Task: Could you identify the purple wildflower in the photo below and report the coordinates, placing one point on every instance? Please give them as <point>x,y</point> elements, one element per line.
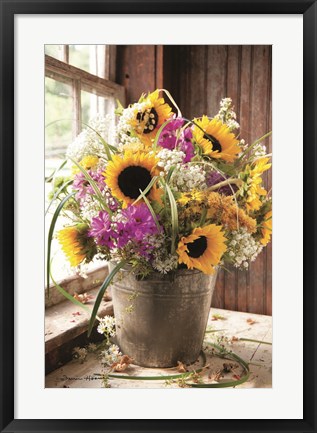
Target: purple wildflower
<point>186,144</point>
<point>84,188</point>
<point>168,138</point>
<point>139,222</point>
<point>101,229</point>
<point>214,177</point>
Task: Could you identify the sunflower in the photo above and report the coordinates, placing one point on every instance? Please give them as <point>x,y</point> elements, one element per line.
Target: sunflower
<point>74,242</point>
<point>266,229</point>
<point>129,173</point>
<point>215,139</point>
<point>202,249</point>
<point>151,116</point>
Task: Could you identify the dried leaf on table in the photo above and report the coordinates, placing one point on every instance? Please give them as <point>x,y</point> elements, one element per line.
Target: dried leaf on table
<point>123,363</point>
<point>236,376</point>
<point>251,321</point>
<point>181,367</point>
<point>233,339</point>
<point>216,376</point>
<point>82,297</point>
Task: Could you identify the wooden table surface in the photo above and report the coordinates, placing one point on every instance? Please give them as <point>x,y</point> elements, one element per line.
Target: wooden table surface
<point>232,329</point>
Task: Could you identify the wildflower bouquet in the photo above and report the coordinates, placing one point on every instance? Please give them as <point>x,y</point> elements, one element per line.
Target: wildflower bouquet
<point>160,192</point>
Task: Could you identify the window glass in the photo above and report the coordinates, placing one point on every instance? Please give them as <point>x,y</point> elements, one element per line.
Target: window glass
<point>54,51</point>
<point>80,56</point>
<point>58,121</point>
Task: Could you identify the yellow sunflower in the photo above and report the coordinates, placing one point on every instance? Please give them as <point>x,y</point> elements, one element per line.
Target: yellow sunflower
<point>73,241</point>
<point>215,139</point>
<point>203,248</point>
<point>129,173</point>
<point>266,228</point>
<point>153,114</point>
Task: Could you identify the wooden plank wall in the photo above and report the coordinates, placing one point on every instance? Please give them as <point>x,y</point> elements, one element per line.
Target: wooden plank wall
<point>198,77</point>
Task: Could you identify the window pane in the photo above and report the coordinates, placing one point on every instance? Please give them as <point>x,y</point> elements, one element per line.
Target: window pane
<point>54,51</point>
<point>92,105</point>
<point>90,58</point>
<point>79,56</point>
<point>58,121</point>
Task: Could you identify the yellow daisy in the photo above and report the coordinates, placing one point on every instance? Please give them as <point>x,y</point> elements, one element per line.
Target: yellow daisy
<point>129,173</point>
<point>88,162</point>
<point>266,229</point>
<point>203,248</point>
<point>148,120</point>
<point>73,241</point>
<point>253,183</point>
<point>215,139</point>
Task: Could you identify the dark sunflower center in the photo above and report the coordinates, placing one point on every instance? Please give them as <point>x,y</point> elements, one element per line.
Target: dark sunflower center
<point>215,143</point>
<point>150,117</point>
<point>132,179</point>
<point>198,247</point>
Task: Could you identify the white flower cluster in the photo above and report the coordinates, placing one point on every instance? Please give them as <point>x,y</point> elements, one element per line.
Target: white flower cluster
<point>80,353</point>
<point>107,326</point>
<point>170,158</point>
<point>110,355</point>
<point>165,264</point>
<point>243,248</point>
<point>227,115</point>
<point>259,150</point>
<point>124,132</point>
<point>187,177</point>
<point>90,208</point>
<point>88,142</point>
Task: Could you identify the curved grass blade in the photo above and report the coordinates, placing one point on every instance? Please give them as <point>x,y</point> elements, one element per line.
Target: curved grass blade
<point>101,292</point>
<point>254,144</point>
<point>179,114</point>
<point>93,185</point>
<point>68,296</point>
<point>151,210</point>
<point>50,236</point>
<point>174,216</point>
<point>255,341</point>
<point>57,193</point>
<point>48,179</point>
<point>146,190</point>
<point>107,146</point>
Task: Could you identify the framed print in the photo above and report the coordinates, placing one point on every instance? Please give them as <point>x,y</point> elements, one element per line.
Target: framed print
<point>164,113</point>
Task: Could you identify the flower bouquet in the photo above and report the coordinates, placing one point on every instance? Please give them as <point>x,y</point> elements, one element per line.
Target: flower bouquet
<point>161,196</point>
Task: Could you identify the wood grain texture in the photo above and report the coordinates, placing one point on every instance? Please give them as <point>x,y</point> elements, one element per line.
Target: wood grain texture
<point>198,77</point>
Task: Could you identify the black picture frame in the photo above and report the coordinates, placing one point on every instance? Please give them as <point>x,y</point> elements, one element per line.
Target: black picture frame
<point>9,8</point>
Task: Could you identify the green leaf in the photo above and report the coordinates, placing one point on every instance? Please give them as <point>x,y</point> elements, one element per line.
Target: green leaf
<point>101,292</point>
<point>150,209</point>
<point>68,296</point>
<point>146,190</point>
<point>94,186</point>
<point>57,193</point>
<point>50,235</point>
<point>174,216</point>
<point>50,178</point>
<point>107,146</point>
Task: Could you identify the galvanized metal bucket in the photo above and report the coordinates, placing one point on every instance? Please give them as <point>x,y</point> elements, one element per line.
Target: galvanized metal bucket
<point>162,320</point>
